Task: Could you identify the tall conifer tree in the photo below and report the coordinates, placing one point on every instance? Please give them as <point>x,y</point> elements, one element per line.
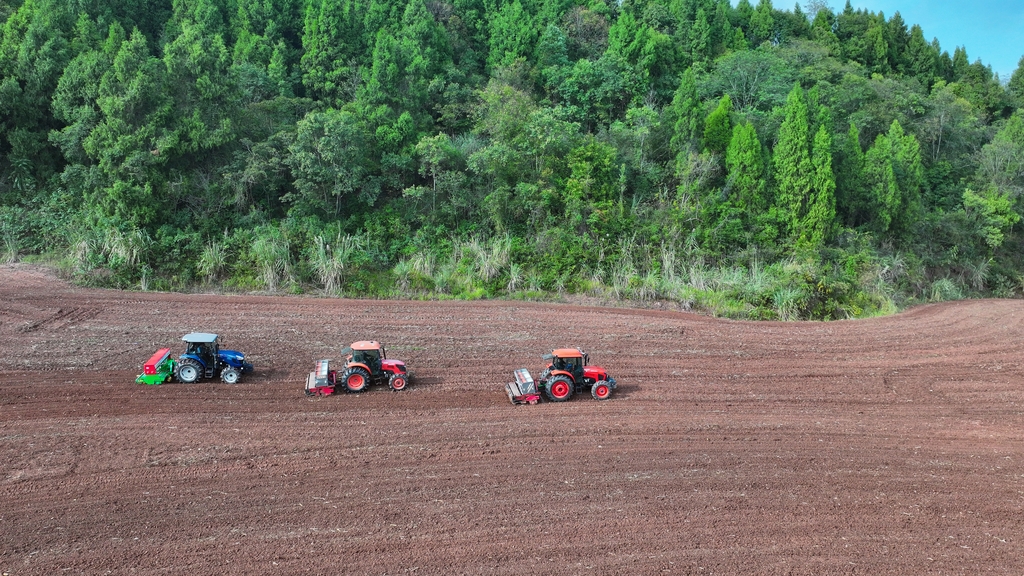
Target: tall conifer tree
<point>746,174</point>
<point>816,226</point>
<point>792,161</point>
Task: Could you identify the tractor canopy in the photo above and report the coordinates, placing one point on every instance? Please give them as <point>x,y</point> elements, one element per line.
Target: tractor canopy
<point>569,354</point>
<point>366,345</point>
<point>199,338</point>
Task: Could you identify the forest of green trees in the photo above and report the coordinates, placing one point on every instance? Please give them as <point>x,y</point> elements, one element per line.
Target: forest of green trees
<point>746,161</point>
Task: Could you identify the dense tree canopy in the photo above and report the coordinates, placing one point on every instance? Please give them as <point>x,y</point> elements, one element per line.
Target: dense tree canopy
<point>765,163</point>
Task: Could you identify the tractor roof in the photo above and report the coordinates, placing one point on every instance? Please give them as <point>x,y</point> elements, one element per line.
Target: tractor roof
<point>366,345</point>
<point>199,337</point>
<point>567,353</point>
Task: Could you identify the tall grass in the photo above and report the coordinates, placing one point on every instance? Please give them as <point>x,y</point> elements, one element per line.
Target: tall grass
<point>330,262</point>
<point>272,256</point>
<point>213,260</point>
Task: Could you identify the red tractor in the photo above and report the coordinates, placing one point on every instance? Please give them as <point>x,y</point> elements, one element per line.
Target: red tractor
<point>366,363</point>
<point>567,372</point>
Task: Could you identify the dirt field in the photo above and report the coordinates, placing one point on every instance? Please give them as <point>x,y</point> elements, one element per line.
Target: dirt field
<point>884,446</point>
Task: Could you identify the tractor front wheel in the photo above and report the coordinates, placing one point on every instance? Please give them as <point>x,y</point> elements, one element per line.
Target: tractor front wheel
<point>398,382</point>
<point>601,391</point>
<point>560,389</point>
<point>229,375</point>
<point>188,371</point>
<point>355,379</point>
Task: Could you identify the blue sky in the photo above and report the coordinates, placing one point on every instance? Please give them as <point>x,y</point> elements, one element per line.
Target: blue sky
<point>992,30</point>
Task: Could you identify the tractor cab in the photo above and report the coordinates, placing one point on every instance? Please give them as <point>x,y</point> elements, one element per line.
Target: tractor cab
<point>203,347</point>
<point>368,353</point>
<point>569,361</point>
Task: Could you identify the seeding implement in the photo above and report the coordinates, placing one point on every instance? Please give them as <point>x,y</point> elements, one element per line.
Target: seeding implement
<point>203,358</point>
<point>158,369</point>
<point>568,372</point>
<point>366,363</point>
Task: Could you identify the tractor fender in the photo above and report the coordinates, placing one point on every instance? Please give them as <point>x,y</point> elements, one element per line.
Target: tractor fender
<point>554,373</point>
<point>360,365</point>
<point>193,357</point>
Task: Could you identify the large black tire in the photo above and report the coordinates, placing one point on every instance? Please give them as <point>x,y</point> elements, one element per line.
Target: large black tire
<point>398,382</point>
<point>355,379</point>
<point>601,390</point>
<point>188,371</point>
<point>559,389</point>
<point>229,375</point>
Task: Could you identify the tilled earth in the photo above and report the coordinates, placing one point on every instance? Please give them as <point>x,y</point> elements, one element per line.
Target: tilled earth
<point>882,446</point>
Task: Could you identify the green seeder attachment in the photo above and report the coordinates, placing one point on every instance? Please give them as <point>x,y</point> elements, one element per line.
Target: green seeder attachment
<point>158,368</point>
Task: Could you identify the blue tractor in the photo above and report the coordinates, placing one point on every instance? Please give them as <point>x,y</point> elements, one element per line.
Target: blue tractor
<point>203,358</point>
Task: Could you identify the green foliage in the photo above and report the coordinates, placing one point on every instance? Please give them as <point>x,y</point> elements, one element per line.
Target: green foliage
<point>894,175</point>
<point>993,213</point>
<point>792,164</point>
<point>1016,83</point>
<point>747,176</point>
<point>692,151</point>
<point>817,224</point>
<point>328,161</point>
<point>718,126</point>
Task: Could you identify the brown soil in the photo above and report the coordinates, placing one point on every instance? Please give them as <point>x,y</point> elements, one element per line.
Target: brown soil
<point>884,446</point>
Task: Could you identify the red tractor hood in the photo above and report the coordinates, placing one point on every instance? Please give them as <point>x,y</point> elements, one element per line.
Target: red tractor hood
<point>393,366</point>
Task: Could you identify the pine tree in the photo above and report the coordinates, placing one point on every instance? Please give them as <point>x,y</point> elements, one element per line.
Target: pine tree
<point>960,63</point>
<point>762,23</point>
<point>34,50</point>
<point>792,162</point>
<point>512,35</point>
<point>718,127</point>
<point>685,114</point>
<point>851,203</point>
<point>700,39</point>
<point>897,38</point>
<point>746,171</point>
<point>817,225</point>
<point>921,58</point>
<point>1016,84</point>
<point>895,177</point>
<point>877,49</point>
<point>332,42</point>
<point>552,57</point>
<point>744,14</point>
<point>721,30</point>
<point>125,144</point>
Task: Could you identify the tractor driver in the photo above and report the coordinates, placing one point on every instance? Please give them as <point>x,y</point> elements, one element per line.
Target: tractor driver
<point>203,351</point>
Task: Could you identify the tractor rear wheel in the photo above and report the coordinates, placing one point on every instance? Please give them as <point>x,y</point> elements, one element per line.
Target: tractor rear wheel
<point>601,391</point>
<point>398,382</point>
<point>355,379</point>
<point>560,389</point>
<point>229,375</point>
<point>188,371</point>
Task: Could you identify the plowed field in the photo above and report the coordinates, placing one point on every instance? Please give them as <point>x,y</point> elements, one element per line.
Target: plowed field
<point>884,446</point>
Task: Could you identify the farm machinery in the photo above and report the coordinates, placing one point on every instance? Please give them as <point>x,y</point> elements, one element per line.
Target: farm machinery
<point>203,358</point>
<point>568,372</point>
<point>365,363</point>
